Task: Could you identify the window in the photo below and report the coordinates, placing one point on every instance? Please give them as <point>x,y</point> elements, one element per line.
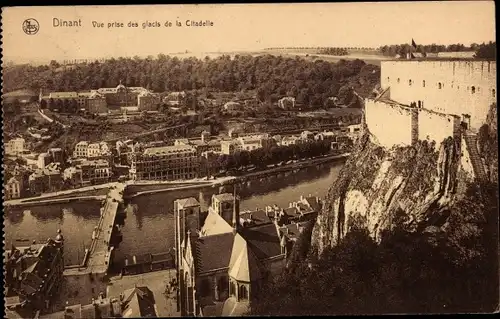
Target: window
<point>473,89</point>
<point>440,86</point>
<point>232,289</point>
<point>423,83</point>
<point>243,292</point>
<point>493,92</point>
<point>205,287</point>
<point>388,79</point>
<point>398,80</point>
<point>409,82</point>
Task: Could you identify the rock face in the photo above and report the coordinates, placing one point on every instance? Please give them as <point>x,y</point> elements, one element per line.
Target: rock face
<point>412,187</point>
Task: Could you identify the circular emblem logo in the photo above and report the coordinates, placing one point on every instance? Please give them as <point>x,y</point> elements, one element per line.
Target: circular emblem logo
<point>30,26</point>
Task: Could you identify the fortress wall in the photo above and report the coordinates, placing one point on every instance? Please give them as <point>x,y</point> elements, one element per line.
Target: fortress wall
<point>389,124</point>
<point>436,126</point>
<point>447,88</point>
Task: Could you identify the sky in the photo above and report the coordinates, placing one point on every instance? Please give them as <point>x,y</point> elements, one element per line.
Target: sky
<point>241,27</point>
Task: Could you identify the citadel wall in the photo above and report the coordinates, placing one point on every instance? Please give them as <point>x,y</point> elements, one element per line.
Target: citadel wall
<point>389,124</point>
<point>393,124</point>
<point>437,126</point>
<point>452,87</point>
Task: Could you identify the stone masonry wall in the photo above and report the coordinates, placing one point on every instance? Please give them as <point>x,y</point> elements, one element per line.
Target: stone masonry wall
<point>452,87</point>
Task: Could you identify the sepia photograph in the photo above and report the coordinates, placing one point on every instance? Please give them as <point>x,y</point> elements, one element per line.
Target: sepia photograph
<point>279,159</point>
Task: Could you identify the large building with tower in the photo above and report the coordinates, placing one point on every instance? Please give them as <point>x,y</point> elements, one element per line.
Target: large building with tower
<point>222,264</point>
<point>99,100</point>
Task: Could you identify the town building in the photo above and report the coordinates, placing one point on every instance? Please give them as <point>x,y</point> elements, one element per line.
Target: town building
<point>307,135</point>
<point>90,172</point>
<point>44,159</point>
<point>290,140</point>
<point>286,103</point>
<point>205,144</point>
<point>223,265</point>
<point>34,273</point>
<point>232,107</point>
<point>14,147</point>
<point>165,163</point>
<point>136,302</point>
<point>325,136</point>
<point>48,179</point>
<point>81,149</point>
<point>57,154</point>
<point>147,101</point>
<point>13,188</point>
<point>84,149</point>
<point>354,131</point>
<point>98,101</point>
<point>175,98</point>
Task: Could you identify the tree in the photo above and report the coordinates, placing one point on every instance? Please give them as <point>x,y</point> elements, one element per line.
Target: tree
<point>487,51</point>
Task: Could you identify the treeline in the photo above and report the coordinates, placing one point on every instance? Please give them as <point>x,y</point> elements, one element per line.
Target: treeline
<point>262,157</point>
<point>319,48</point>
<point>333,51</point>
<point>272,76</point>
<point>403,49</point>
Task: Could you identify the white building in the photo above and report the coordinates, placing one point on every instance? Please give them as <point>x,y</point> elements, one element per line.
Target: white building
<point>81,149</point>
<point>286,103</point>
<point>13,188</point>
<point>232,106</point>
<point>14,146</point>
<point>289,140</point>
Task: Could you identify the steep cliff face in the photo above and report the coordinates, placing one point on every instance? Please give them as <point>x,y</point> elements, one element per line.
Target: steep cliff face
<point>411,187</point>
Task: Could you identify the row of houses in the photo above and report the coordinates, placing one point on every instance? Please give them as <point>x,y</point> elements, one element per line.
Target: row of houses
<point>188,159</point>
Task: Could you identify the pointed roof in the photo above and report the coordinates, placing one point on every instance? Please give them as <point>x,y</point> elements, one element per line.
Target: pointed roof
<point>139,302</point>
<point>188,202</point>
<point>243,265</point>
<point>215,224</point>
<point>212,252</point>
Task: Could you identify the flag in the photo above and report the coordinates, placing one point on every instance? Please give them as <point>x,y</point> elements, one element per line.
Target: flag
<point>413,43</point>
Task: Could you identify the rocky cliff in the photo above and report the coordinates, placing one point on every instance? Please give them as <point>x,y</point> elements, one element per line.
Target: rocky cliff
<point>409,187</point>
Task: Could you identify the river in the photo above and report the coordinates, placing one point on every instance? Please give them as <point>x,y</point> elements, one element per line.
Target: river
<point>149,222</point>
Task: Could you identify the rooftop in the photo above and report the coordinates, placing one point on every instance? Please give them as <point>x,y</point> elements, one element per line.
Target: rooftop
<point>224,197</point>
<point>139,302</point>
<point>212,252</point>
<point>188,202</point>
<point>263,240</point>
<point>168,150</point>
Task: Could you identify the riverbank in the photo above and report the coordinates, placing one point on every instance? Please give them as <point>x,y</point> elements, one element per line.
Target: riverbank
<point>222,181</point>
<point>139,188</point>
<point>71,194</point>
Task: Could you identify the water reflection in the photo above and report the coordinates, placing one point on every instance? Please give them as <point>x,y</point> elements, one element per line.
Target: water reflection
<point>149,227</point>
